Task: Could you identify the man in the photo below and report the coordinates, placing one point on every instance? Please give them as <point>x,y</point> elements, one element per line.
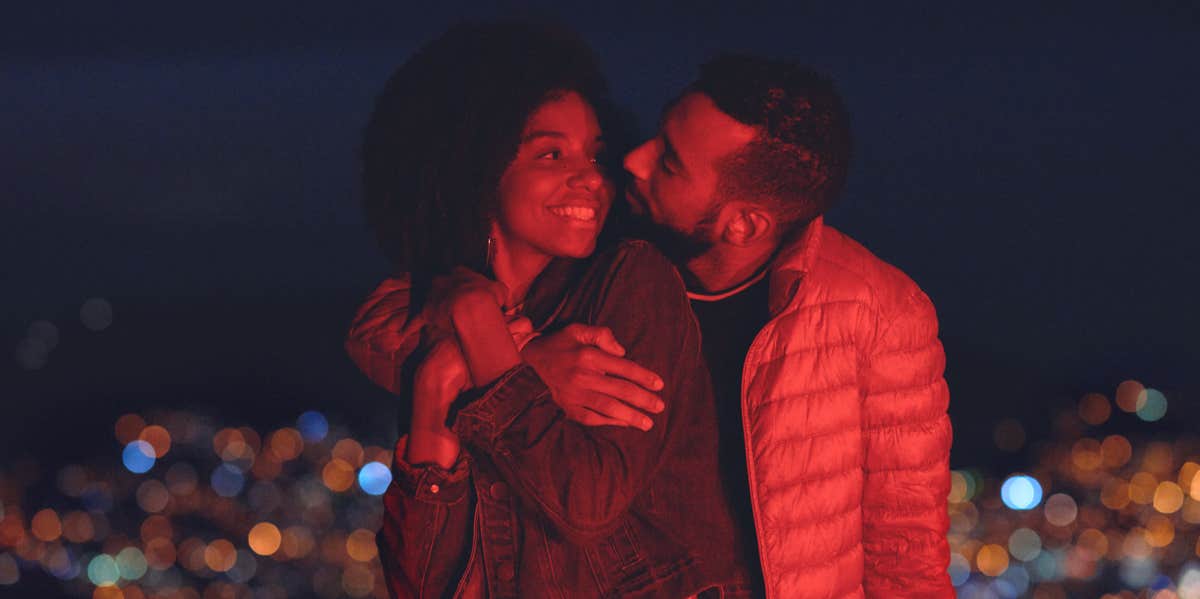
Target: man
<point>825,360</point>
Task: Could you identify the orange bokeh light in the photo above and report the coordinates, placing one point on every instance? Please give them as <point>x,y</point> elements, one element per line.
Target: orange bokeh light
<point>158,438</point>
<point>220,555</point>
<point>992,560</point>
<point>360,545</point>
<point>265,538</point>
<point>128,427</point>
<point>1128,395</point>
<point>350,451</point>
<point>286,443</point>
<point>46,526</point>
<point>1094,409</point>
<point>338,475</point>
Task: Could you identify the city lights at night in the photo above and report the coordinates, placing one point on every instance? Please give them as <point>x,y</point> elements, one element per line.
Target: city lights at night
<point>284,513</point>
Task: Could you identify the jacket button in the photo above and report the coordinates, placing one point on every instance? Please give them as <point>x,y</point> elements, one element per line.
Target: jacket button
<point>434,489</point>
<point>505,572</point>
<point>499,490</point>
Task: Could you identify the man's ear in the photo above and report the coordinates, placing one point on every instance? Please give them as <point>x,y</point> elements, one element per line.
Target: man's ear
<point>745,223</point>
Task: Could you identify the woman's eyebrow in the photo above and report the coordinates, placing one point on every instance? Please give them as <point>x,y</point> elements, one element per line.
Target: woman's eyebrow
<point>532,135</point>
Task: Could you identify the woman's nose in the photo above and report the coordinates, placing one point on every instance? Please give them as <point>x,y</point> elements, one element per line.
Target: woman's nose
<point>588,176</point>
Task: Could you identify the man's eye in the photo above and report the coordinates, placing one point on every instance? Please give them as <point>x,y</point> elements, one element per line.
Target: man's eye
<point>665,164</point>
<point>550,154</point>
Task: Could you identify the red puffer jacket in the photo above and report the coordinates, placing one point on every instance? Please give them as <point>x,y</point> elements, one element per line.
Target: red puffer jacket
<point>848,441</point>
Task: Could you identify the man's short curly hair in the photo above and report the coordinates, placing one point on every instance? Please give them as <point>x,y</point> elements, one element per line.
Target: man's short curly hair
<point>447,125</point>
<point>797,165</point>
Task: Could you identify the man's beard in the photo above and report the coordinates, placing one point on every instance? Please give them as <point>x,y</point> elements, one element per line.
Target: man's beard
<point>676,244</point>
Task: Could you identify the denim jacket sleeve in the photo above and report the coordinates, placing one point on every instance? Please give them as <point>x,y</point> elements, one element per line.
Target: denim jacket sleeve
<point>427,526</point>
<point>584,479</point>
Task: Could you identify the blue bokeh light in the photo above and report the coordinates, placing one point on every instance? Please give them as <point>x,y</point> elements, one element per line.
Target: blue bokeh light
<point>1021,492</point>
<point>374,478</point>
<point>103,571</point>
<point>313,426</point>
<point>227,480</point>
<point>138,456</point>
<point>1154,407</point>
<point>959,570</point>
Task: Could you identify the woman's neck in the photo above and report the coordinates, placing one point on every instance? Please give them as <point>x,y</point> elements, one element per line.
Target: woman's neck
<point>516,264</point>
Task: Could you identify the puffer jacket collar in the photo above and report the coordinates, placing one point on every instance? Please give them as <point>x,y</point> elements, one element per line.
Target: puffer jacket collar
<point>793,262</point>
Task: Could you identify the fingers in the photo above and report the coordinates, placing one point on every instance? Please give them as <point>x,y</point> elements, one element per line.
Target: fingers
<point>625,369</point>
<point>520,326</point>
<point>601,337</point>
<point>630,396</point>
<point>588,417</point>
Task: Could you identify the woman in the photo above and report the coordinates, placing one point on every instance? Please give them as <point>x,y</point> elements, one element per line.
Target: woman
<point>484,183</point>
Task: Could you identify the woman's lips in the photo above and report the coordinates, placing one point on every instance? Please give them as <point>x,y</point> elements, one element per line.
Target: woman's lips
<point>583,214</point>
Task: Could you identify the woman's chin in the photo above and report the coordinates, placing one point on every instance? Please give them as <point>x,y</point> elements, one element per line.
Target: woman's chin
<point>577,250</point>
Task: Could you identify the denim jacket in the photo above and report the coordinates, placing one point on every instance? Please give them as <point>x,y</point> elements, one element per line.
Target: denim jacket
<point>551,508</point>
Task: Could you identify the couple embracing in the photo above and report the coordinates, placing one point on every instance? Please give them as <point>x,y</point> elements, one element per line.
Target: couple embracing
<point>722,397</point>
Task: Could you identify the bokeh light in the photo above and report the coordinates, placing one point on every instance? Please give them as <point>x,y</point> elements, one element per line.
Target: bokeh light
<point>360,545</point>
<point>1129,396</point>
<point>131,563</point>
<point>220,555</point>
<point>313,426</point>
<point>138,457</point>
<point>338,475</point>
<point>264,538</point>
<point>1168,497</point>
<point>96,314</point>
<point>374,478</point>
<point>1152,405</point>
<point>158,438</point>
<point>46,526</point>
<point>10,573</point>
<point>103,570</point>
<point>227,480</point>
<point>272,513</point>
<point>1024,544</point>
<point>1061,509</point>
<point>1021,492</point>
<point>128,427</point>
<point>1094,409</point>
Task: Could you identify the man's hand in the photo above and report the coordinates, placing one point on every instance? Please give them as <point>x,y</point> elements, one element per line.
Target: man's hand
<point>591,381</point>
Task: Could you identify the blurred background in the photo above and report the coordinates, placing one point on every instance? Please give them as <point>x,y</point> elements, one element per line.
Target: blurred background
<point>183,251</point>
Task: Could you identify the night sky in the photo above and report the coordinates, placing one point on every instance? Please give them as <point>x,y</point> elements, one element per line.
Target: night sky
<point>1032,168</point>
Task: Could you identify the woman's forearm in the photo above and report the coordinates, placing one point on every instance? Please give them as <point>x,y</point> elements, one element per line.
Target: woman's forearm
<point>429,441</point>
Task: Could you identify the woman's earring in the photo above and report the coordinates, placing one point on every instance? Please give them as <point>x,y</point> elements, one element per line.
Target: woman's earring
<point>491,250</point>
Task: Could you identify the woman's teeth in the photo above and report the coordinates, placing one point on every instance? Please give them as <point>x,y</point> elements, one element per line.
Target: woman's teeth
<point>576,212</point>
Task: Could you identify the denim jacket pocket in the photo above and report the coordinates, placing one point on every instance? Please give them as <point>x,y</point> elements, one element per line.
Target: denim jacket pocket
<point>617,558</point>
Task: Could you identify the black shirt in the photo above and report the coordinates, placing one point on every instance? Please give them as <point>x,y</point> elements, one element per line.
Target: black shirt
<point>728,325</point>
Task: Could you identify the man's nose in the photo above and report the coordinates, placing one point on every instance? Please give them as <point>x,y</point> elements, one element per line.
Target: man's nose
<point>639,160</point>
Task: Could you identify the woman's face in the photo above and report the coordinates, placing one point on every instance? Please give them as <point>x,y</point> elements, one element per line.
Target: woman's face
<point>553,197</point>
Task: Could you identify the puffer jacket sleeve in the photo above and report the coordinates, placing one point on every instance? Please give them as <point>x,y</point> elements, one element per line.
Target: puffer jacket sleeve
<point>381,337</point>
<point>908,437</point>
